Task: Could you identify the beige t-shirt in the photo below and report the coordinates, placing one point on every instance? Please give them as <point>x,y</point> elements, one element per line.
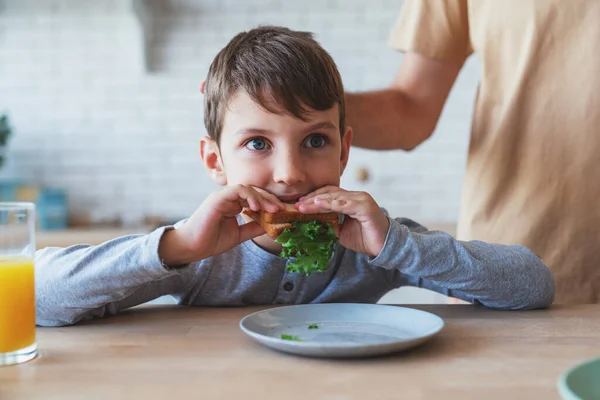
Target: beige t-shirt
<point>533,171</point>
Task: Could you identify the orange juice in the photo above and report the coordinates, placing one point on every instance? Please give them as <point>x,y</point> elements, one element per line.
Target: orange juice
<point>17,303</point>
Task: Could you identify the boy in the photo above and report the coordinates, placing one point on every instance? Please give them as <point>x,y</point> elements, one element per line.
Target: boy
<point>274,111</point>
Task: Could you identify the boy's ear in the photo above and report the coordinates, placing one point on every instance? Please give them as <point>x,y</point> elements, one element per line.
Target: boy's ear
<point>346,143</point>
<point>211,157</point>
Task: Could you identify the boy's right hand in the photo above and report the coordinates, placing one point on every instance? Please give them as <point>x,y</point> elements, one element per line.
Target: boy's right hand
<point>213,228</point>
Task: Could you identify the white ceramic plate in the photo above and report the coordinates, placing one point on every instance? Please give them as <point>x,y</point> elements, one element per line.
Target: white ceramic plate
<point>342,330</point>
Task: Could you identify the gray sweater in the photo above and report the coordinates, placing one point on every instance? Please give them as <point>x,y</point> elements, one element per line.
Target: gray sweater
<point>83,282</point>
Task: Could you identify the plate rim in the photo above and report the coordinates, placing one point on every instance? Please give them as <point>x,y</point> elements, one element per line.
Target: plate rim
<point>337,346</point>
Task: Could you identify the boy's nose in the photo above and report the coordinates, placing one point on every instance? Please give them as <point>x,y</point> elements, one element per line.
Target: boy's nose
<point>288,170</point>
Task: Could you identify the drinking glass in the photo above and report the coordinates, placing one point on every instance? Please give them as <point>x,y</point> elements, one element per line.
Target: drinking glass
<point>17,290</point>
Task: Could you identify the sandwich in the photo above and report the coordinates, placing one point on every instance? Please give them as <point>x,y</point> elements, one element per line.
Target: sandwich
<point>307,239</point>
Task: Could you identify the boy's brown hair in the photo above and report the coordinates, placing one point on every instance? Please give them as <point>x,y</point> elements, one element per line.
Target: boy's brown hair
<point>273,65</point>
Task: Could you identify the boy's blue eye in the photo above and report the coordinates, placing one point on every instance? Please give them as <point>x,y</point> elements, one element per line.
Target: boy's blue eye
<point>316,141</point>
<point>257,144</point>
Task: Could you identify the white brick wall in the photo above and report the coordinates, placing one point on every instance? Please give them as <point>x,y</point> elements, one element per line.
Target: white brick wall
<point>124,141</point>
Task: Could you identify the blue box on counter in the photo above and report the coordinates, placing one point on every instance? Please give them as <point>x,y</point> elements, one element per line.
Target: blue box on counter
<point>50,203</point>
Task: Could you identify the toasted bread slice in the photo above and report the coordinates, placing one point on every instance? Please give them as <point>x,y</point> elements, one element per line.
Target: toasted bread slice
<point>275,223</point>
<point>274,230</point>
<point>291,214</point>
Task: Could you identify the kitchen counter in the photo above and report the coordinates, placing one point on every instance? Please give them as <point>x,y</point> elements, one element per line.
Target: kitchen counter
<point>170,352</point>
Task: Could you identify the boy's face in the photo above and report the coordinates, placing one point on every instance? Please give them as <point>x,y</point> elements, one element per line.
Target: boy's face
<point>277,152</point>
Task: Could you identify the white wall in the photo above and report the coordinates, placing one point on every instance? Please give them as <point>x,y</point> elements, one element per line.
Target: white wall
<point>123,141</point>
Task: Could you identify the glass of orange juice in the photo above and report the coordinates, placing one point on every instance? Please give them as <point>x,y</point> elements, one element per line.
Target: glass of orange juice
<point>17,290</point>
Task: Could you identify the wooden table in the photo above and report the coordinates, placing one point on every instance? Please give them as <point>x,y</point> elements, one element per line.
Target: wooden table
<point>171,352</point>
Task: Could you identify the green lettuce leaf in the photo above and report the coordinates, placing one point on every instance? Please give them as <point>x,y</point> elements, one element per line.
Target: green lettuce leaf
<point>290,337</point>
<point>309,244</point>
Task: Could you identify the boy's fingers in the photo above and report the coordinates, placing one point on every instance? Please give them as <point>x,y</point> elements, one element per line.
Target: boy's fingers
<point>311,200</point>
<point>246,197</point>
<point>323,190</point>
<point>268,206</point>
<point>306,203</point>
<point>312,208</point>
<point>335,205</point>
<point>250,230</point>
<point>271,198</point>
<point>324,204</point>
<point>323,196</point>
<point>318,205</point>
<point>259,199</point>
<point>233,200</point>
<point>254,203</point>
<point>227,202</point>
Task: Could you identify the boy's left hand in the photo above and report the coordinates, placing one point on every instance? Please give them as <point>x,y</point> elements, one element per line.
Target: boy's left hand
<point>365,226</point>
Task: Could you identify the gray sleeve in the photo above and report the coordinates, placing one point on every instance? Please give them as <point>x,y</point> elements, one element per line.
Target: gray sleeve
<point>84,281</point>
<point>494,275</point>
